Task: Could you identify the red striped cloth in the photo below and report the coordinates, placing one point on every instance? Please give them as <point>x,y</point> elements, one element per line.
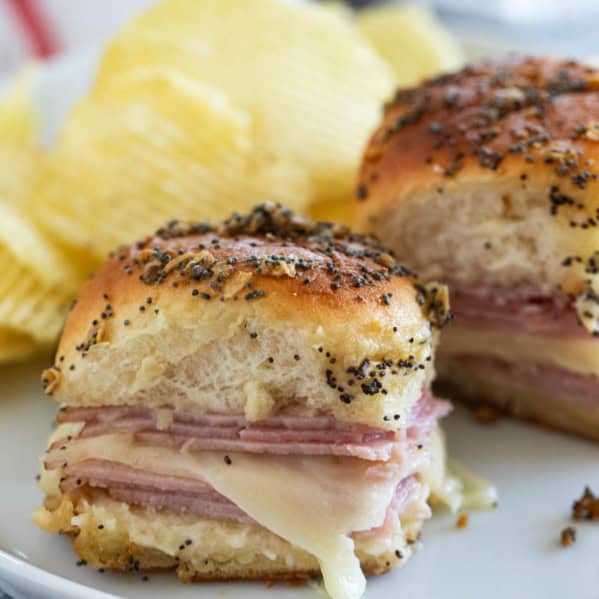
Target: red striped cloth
<point>35,27</point>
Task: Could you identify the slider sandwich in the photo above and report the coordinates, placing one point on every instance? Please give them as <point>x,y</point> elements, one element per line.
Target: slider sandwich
<point>486,179</point>
<point>247,401</point>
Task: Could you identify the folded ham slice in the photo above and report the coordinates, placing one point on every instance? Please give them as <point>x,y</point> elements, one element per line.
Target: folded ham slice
<point>284,435</point>
<point>140,487</point>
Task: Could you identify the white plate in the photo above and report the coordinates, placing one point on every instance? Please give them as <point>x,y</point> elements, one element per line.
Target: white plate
<point>511,552</point>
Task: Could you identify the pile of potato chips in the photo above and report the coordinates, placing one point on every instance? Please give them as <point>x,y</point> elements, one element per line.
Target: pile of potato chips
<point>36,283</point>
<point>198,109</point>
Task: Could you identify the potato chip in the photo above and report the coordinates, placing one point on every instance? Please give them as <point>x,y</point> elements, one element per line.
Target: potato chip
<point>17,114</point>
<point>22,158</point>
<point>338,7</point>
<point>333,210</point>
<point>149,147</point>
<point>37,281</point>
<point>411,40</point>
<point>16,346</point>
<point>28,247</point>
<point>310,82</point>
<point>27,306</point>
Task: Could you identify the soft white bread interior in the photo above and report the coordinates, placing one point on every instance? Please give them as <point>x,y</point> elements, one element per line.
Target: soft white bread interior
<point>264,313</point>
<point>481,234</point>
<point>488,176</point>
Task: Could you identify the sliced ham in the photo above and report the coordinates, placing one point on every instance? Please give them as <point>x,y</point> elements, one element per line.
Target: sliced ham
<point>408,497</point>
<point>104,414</point>
<point>377,450</point>
<point>544,378</point>
<point>515,309</point>
<point>104,473</point>
<point>198,506</point>
<point>425,414</point>
<point>283,435</point>
<point>145,423</point>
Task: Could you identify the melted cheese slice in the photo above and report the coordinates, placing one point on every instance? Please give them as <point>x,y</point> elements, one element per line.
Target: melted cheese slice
<point>312,502</point>
<point>574,354</point>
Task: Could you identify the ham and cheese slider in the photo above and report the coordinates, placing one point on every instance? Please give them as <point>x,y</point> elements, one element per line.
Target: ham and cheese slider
<point>487,180</point>
<point>249,400</point>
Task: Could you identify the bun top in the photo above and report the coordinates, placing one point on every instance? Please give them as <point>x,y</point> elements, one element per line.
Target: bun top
<point>531,120</point>
<point>270,271</point>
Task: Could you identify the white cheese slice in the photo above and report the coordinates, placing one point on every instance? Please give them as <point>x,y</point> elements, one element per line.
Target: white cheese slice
<point>575,354</point>
<point>313,502</point>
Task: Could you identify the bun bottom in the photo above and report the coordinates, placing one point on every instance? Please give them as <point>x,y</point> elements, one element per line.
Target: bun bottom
<point>484,386</point>
<point>111,535</point>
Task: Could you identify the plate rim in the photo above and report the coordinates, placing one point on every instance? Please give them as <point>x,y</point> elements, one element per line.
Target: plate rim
<point>14,569</point>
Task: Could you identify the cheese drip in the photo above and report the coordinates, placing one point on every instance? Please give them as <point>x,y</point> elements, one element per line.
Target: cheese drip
<point>452,485</point>
<point>478,492</point>
<point>312,502</point>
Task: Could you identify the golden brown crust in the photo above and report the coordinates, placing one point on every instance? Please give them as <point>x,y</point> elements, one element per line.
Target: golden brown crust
<point>134,558</point>
<point>531,120</point>
<point>334,275</point>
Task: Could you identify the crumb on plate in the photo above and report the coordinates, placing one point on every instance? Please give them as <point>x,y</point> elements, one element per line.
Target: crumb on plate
<point>568,536</point>
<point>462,521</point>
<point>587,507</point>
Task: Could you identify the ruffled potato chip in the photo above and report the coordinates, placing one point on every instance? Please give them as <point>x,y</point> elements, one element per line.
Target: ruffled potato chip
<point>27,306</point>
<point>311,84</point>
<point>150,147</point>
<point>335,210</point>
<point>411,40</point>
<point>15,346</point>
<point>17,114</point>
<point>37,281</point>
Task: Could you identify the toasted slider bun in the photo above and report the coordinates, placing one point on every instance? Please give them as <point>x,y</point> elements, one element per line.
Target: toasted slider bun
<point>245,325</point>
<point>488,175</point>
<point>265,320</point>
<point>486,179</point>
